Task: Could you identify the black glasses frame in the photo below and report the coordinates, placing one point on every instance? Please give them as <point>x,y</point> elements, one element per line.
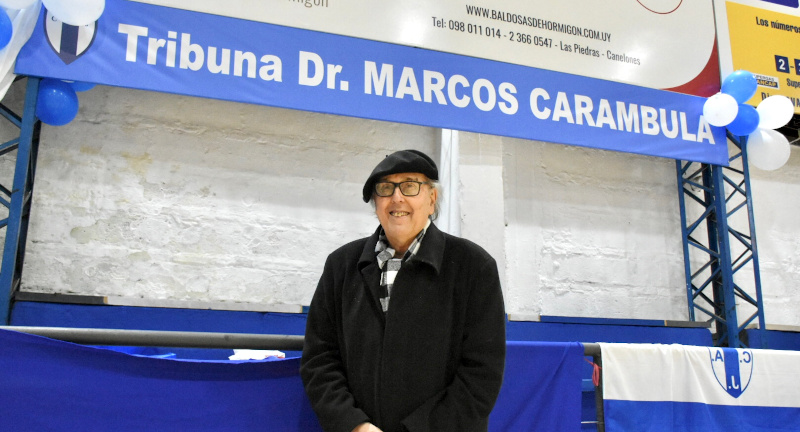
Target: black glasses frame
<point>399,185</point>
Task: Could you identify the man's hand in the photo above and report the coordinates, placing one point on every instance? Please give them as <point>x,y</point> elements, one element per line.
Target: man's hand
<point>366,427</point>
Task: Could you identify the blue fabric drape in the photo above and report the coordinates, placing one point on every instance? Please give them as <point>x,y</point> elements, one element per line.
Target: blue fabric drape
<point>541,388</point>
<point>49,385</point>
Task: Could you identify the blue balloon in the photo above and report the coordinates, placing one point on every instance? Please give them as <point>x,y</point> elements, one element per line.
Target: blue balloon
<point>741,85</point>
<point>746,121</point>
<point>6,29</point>
<point>56,103</point>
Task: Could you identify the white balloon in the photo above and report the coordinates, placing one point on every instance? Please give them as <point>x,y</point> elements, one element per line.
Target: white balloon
<point>775,111</point>
<point>76,12</point>
<point>16,4</point>
<point>720,109</point>
<point>767,149</point>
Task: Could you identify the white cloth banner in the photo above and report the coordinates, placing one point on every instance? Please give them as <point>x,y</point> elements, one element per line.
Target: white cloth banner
<point>688,388</point>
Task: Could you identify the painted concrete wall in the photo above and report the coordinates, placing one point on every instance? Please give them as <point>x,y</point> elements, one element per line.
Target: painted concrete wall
<point>162,199</point>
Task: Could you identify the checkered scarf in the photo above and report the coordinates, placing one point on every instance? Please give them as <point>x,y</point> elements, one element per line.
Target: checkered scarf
<point>391,265</point>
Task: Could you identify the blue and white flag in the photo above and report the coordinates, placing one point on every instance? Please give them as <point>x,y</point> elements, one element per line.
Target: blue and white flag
<point>689,388</point>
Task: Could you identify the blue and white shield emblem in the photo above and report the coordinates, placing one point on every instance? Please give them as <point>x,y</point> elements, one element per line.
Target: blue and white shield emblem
<point>68,41</point>
<point>733,369</point>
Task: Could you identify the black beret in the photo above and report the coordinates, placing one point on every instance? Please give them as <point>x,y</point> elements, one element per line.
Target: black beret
<point>410,161</point>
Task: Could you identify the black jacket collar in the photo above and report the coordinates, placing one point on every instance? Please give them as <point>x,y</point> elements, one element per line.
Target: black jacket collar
<point>431,252</point>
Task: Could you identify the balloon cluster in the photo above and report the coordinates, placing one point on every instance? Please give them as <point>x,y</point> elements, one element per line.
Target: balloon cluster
<point>767,148</point>
<point>57,100</point>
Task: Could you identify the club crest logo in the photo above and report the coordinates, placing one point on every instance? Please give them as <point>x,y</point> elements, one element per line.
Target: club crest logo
<point>732,368</point>
<point>68,41</point>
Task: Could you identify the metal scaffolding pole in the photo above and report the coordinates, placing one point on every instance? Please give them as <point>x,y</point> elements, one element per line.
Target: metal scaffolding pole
<point>158,338</point>
<point>719,246</point>
<point>187,339</point>
<point>17,199</point>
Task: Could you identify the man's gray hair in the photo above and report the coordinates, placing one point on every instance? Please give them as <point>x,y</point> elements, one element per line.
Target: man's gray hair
<point>436,207</point>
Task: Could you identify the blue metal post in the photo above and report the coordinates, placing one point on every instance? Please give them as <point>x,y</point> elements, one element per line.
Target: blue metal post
<point>16,230</point>
<point>725,284</point>
<point>711,273</point>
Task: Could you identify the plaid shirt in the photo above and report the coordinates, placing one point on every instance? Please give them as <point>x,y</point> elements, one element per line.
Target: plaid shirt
<point>391,265</point>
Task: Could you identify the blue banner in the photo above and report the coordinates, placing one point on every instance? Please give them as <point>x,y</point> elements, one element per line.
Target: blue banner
<point>157,48</point>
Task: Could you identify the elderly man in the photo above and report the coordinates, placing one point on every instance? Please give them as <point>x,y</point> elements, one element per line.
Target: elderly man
<point>406,329</point>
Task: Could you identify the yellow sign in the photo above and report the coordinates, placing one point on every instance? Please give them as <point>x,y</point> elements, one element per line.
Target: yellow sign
<point>767,44</point>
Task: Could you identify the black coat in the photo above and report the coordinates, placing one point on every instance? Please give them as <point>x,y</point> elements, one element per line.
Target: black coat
<point>434,362</point>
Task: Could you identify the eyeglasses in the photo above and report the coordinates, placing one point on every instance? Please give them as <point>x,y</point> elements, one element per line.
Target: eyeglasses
<point>407,188</point>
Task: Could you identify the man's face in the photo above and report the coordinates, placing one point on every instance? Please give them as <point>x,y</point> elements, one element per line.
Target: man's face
<point>403,217</point>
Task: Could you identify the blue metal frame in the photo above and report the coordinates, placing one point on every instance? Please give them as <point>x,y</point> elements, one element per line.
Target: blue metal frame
<point>709,241</point>
<point>18,198</point>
